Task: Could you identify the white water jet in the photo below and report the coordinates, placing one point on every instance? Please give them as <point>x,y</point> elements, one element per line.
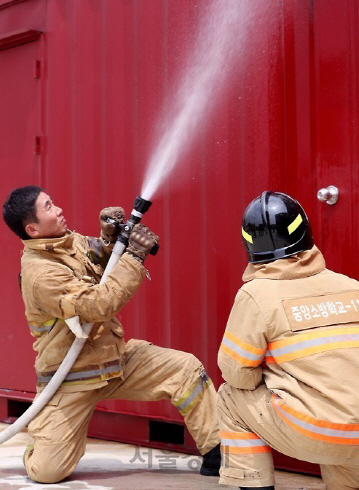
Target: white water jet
<point>218,41</point>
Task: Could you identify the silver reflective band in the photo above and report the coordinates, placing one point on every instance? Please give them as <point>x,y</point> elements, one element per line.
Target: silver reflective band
<point>325,431</point>
<point>243,442</point>
<point>307,344</point>
<point>136,213</point>
<point>40,329</point>
<point>243,353</point>
<point>84,374</point>
<point>201,383</point>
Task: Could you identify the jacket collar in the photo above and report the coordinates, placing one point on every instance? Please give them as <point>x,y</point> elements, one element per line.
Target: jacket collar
<point>304,264</point>
<point>65,243</point>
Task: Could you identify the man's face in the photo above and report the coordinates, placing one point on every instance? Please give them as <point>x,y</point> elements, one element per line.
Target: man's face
<point>51,223</point>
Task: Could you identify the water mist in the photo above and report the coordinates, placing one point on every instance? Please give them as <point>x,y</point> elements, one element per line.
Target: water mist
<point>211,62</point>
<point>219,35</point>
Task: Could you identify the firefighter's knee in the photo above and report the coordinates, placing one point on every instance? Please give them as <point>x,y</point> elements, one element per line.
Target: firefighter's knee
<point>43,466</point>
<point>45,473</point>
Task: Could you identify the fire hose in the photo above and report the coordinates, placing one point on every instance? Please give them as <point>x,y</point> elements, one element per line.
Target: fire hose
<point>81,331</point>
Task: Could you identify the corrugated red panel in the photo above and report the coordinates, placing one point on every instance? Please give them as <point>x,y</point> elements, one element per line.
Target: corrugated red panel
<point>86,128</point>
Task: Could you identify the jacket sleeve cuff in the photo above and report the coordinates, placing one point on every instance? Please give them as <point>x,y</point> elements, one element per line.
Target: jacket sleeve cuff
<point>133,262</point>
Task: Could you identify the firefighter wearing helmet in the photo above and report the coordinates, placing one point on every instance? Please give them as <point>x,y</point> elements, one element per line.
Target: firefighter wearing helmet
<point>289,354</point>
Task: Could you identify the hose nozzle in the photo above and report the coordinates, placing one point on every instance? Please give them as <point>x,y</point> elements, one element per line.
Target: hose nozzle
<point>140,207</point>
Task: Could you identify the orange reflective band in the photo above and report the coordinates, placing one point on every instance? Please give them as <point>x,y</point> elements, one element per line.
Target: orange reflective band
<point>269,359</point>
<point>327,332</point>
<point>238,435</point>
<point>242,443</point>
<point>246,450</point>
<point>317,429</point>
<point>244,353</point>
<point>304,345</point>
<point>248,347</point>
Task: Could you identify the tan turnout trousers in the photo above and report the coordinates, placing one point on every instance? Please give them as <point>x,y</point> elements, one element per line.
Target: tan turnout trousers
<point>248,421</point>
<point>290,357</point>
<point>151,373</point>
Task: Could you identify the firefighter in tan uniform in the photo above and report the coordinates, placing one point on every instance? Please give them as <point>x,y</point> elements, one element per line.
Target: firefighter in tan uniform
<point>289,356</point>
<point>60,274</point>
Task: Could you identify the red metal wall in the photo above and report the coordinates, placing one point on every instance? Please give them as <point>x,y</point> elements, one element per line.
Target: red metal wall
<point>81,125</point>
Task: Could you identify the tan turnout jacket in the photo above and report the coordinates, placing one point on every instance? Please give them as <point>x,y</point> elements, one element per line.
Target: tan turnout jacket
<point>295,326</point>
<point>59,278</point>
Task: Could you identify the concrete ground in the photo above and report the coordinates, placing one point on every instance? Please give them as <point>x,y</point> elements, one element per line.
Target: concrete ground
<point>112,466</point>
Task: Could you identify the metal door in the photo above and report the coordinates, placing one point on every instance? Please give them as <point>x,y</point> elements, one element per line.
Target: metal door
<point>19,156</point>
<point>336,58</point>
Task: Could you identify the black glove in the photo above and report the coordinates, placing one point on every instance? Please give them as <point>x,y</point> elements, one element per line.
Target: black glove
<point>109,231</point>
<point>141,241</point>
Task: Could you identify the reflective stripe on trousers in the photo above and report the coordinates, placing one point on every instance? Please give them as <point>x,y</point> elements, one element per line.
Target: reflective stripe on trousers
<point>194,394</point>
<point>242,443</point>
<point>316,429</point>
<point>106,372</point>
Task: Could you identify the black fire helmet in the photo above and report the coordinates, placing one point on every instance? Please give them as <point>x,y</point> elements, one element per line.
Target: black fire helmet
<point>275,226</point>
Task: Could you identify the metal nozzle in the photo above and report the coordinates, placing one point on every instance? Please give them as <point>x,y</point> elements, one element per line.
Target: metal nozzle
<point>141,205</point>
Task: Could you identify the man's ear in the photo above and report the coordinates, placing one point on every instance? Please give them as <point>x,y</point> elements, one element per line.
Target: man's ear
<point>31,230</point>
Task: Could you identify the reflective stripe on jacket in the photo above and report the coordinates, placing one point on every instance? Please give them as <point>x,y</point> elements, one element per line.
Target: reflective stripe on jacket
<point>295,326</point>
<point>59,280</point>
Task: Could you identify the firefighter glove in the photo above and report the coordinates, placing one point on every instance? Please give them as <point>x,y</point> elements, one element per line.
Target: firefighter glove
<point>141,242</point>
<point>110,218</point>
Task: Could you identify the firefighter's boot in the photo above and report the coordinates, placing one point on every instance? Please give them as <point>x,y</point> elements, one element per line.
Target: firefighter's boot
<point>211,462</point>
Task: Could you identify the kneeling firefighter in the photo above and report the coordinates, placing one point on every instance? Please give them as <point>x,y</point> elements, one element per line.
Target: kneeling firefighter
<point>289,354</point>
<point>61,272</point>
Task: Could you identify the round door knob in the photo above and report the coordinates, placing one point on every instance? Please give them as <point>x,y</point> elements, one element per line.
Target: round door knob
<point>328,194</point>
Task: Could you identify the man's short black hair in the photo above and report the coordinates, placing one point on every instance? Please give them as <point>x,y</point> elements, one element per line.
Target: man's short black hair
<point>19,209</point>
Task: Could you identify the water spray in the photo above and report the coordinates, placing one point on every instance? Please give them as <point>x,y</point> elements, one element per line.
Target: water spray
<point>215,49</point>
<point>141,206</point>
<point>198,89</point>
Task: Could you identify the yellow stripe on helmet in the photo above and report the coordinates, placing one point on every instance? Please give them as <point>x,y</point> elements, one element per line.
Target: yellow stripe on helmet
<point>247,236</point>
<point>293,226</point>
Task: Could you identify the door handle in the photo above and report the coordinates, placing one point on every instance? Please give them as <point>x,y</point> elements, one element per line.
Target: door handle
<point>328,194</point>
